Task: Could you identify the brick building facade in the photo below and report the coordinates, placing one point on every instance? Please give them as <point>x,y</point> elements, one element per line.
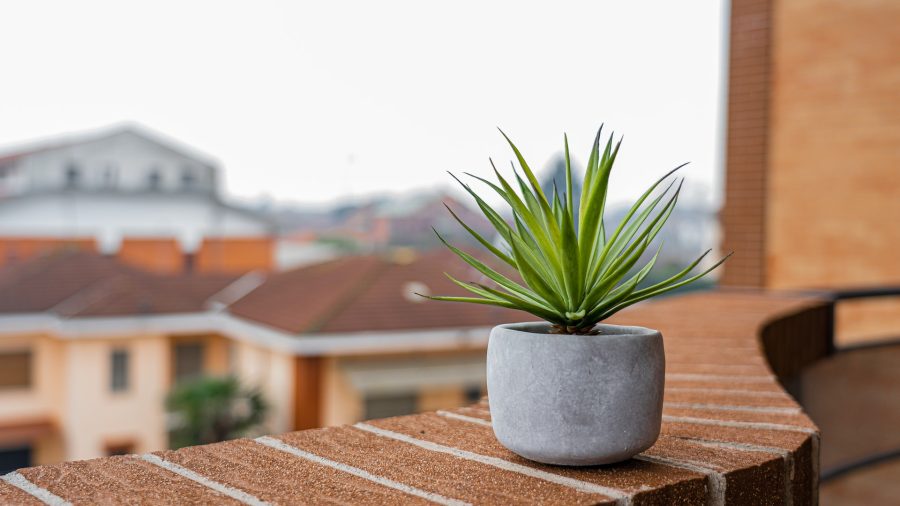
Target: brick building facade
<point>812,196</point>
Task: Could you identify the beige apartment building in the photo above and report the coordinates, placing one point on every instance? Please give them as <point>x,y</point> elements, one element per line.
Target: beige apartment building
<point>89,347</point>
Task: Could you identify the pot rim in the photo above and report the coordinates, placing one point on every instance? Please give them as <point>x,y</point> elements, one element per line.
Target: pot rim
<point>542,328</point>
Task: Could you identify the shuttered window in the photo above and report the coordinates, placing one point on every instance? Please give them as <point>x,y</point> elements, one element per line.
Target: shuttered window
<point>15,369</point>
<point>119,365</point>
<point>188,361</point>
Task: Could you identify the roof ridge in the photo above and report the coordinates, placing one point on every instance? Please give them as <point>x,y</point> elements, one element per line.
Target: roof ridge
<point>236,290</point>
<point>62,140</point>
<point>86,296</point>
<point>352,293</point>
<point>325,264</point>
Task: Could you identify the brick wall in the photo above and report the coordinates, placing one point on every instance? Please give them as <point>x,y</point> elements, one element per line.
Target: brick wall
<point>743,214</point>
<point>162,256</point>
<point>20,249</point>
<point>834,164</point>
<point>812,173</point>
<point>812,193</point>
<point>235,255</point>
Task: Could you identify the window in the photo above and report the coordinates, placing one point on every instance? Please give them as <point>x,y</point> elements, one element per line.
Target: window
<point>73,175</point>
<point>12,458</point>
<point>110,176</point>
<point>118,378</point>
<point>154,179</point>
<point>385,405</point>
<point>15,369</point>
<point>188,361</point>
<point>113,449</point>
<point>188,178</point>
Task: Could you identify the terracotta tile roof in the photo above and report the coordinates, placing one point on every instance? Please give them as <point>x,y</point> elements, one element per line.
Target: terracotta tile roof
<point>369,293</point>
<point>78,283</point>
<point>296,299</point>
<point>733,438</point>
<point>351,294</point>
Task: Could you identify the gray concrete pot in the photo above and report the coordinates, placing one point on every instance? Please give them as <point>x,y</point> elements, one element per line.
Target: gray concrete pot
<point>575,400</point>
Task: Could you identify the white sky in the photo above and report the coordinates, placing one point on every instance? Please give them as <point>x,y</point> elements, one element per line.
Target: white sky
<point>312,101</point>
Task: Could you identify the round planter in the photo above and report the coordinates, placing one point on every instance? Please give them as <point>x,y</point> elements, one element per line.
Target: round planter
<point>575,400</point>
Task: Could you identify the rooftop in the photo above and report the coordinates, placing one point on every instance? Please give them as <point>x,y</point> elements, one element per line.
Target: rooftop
<point>67,140</point>
<point>80,284</point>
<point>730,434</point>
<point>369,293</point>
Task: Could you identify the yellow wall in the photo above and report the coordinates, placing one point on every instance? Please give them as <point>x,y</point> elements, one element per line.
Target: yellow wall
<point>43,398</point>
<point>450,374</point>
<point>341,402</point>
<point>95,416</point>
<point>273,373</point>
<point>71,388</point>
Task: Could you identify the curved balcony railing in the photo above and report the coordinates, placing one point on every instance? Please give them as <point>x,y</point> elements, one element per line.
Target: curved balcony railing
<point>853,397</point>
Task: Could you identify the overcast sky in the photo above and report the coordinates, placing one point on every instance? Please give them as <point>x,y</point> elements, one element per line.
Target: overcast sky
<point>313,101</point>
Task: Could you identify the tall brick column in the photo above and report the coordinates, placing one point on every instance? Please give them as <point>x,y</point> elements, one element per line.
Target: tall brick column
<point>743,214</point>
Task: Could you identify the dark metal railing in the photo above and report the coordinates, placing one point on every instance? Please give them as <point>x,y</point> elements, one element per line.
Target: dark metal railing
<point>883,456</point>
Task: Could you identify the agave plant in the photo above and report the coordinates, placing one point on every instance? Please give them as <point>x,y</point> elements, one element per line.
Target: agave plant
<point>575,274</point>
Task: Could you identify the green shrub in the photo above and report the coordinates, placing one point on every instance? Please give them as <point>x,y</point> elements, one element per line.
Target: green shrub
<point>212,409</point>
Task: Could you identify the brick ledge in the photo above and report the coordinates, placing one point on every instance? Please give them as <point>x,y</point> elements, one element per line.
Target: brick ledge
<point>731,435</point>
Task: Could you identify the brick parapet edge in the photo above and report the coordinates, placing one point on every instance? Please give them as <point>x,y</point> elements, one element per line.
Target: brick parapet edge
<point>730,435</point>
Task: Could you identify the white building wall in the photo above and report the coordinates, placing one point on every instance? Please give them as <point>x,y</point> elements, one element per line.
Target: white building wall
<point>110,217</point>
<point>122,161</point>
<point>112,196</point>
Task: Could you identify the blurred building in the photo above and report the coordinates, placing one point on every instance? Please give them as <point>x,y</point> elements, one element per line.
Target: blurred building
<point>83,371</point>
<point>384,222</point>
<point>367,345</point>
<point>130,193</point>
<point>812,197</point>
<point>89,346</point>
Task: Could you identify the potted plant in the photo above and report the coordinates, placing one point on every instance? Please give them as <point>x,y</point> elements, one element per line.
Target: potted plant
<point>571,390</point>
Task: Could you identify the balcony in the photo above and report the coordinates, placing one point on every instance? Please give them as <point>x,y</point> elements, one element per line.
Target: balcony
<point>731,434</point>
